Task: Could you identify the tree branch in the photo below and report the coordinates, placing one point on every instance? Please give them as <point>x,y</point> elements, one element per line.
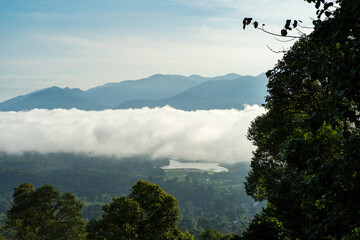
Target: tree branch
<point>288,40</point>
<point>283,51</point>
<point>277,35</point>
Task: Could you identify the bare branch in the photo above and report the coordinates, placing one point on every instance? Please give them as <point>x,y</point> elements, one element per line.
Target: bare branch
<point>300,32</point>
<point>277,35</point>
<point>304,27</point>
<point>289,40</point>
<point>283,51</point>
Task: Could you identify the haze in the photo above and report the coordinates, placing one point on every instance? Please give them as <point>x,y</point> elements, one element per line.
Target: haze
<point>82,44</point>
<point>215,135</point>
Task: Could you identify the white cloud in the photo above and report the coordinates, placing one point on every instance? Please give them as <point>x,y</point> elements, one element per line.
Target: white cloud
<point>215,135</point>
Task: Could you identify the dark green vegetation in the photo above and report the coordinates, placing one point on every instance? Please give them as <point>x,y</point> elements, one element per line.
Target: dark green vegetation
<point>186,93</point>
<point>206,200</point>
<point>211,234</point>
<point>148,213</point>
<point>44,214</point>
<point>307,164</point>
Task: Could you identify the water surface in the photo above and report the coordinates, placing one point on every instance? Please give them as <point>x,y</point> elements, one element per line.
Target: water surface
<point>195,165</point>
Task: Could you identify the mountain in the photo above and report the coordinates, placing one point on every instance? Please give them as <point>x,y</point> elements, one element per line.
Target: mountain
<point>187,93</point>
<point>50,98</point>
<point>155,87</point>
<point>213,94</point>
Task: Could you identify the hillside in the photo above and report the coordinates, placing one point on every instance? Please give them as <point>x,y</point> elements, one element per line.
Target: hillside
<point>155,87</point>
<point>50,98</point>
<point>213,94</point>
<point>186,93</point>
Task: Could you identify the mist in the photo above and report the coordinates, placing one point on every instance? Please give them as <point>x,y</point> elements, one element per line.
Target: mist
<point>213,136</point>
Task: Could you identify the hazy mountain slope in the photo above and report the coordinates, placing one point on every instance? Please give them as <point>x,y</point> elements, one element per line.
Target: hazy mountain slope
<point>13,101</point>
<point>220,94</point>
<point>51,98</point>
<point>155,87</point>
<point>193,92</point>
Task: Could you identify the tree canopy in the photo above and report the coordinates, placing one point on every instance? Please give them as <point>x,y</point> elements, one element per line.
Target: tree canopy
<point>307,159</point>
<point>211,234</point>
<point>147,213</point>
<point>45,214</point>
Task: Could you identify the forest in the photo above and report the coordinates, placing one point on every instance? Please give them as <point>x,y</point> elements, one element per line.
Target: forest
<point>307,160</point>
<point>206,200</point>
<point>305,168</point>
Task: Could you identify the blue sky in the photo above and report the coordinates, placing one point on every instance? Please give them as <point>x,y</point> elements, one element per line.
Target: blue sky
<point>78,43</point>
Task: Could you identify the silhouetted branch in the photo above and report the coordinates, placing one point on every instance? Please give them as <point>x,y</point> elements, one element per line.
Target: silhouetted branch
<point>283,51</point>
<point>289,40</point>
<point>278,35</point>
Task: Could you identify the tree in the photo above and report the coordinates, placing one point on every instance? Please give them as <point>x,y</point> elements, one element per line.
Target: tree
<point>148,213</point>
<point>45,214</point>
<point>2,237</point>
<point>307,159</point>
<point>211,234</point>
<point>266,226</point>
<point>117,226</point>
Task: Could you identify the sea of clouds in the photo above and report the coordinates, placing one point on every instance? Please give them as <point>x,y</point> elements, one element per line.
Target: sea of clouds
<point>214,135</point>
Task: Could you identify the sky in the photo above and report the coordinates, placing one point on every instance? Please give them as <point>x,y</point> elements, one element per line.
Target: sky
<point>211,136</point>
<point>83,44</point>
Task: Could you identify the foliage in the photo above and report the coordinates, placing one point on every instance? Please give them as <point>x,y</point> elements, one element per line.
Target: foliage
<point>206,200</point>
<point>148,213</point>
<point>83,175</point>
<point>212,201</point>
<point>307,159</point>
<point>266,226</point>
<point>211,234</point>
<point>44,214</point>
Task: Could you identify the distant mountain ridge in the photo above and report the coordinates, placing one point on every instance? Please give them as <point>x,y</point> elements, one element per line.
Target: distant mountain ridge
<point>186,93</point>
<point>155,87</point>
<point>51,98</point>
<point>212,94</point>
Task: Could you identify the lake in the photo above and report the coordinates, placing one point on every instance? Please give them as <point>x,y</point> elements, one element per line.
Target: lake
<point>195,165</point>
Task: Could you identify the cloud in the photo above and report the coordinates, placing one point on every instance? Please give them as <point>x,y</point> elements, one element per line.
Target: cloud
<point>215,135</point>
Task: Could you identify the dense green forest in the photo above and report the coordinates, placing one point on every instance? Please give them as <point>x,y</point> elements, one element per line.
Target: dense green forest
<point>207,200</point>
<point>308,143</point>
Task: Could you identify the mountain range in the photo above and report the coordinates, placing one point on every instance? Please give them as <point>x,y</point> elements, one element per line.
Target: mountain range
<point>186,93</point>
